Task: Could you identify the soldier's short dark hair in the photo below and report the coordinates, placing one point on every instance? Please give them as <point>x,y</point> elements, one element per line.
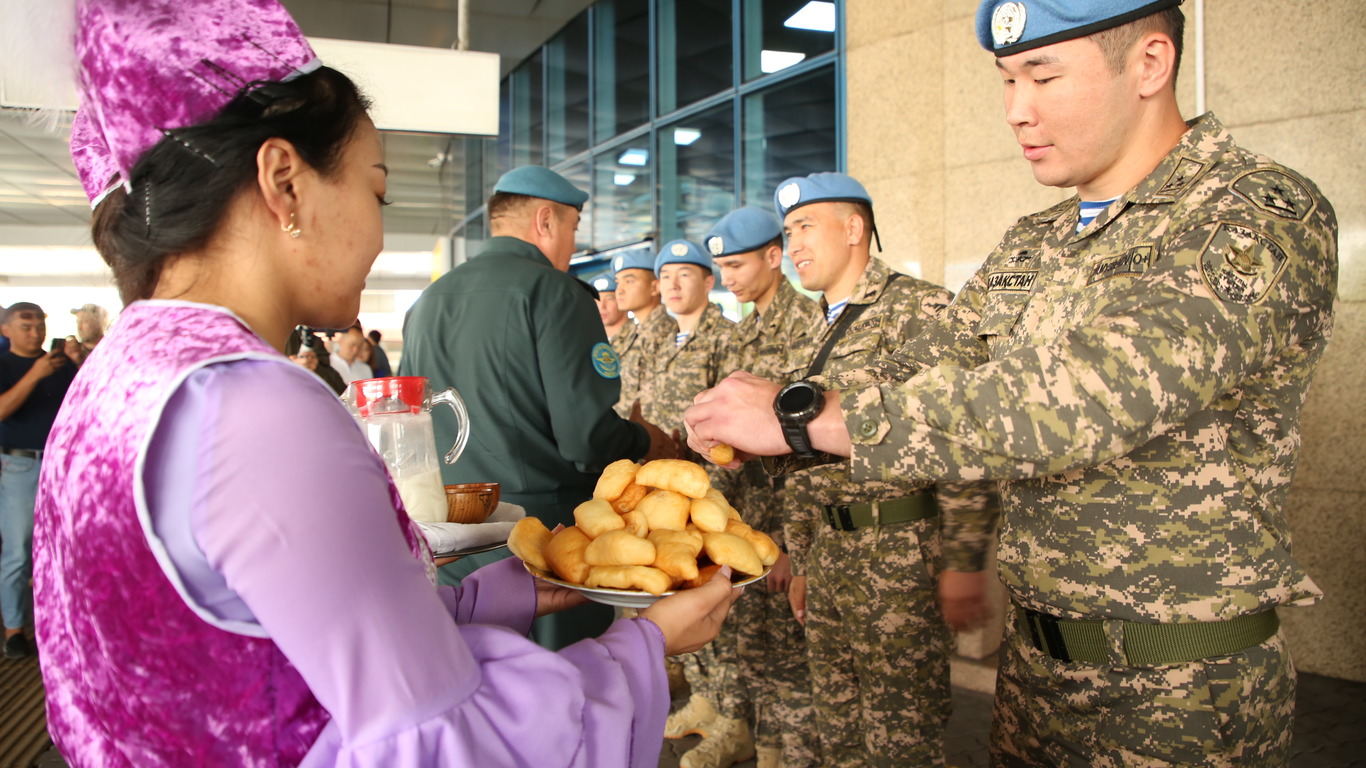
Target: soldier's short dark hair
<point>1115,42</point>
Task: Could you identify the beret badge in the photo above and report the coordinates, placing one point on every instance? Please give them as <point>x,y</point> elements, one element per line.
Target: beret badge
<point>790,195</point>
<point>1008,23</point>
<point>716,245</point>
<point>679,249</point>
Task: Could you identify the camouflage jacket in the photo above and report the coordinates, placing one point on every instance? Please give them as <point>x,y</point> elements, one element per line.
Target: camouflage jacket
<point>1142,394</point>
<point>676,374</point>
<point>636,345</point>
<point>896,313</point>
<point>760,345</point>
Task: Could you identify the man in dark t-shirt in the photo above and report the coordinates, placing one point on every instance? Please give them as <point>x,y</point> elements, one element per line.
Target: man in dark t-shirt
<point>32,385</point>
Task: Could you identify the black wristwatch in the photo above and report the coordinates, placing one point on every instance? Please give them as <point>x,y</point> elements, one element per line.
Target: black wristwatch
<point>796,405</point>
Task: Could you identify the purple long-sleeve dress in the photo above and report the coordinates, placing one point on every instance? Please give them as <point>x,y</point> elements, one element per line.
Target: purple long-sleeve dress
<point>222,577</point>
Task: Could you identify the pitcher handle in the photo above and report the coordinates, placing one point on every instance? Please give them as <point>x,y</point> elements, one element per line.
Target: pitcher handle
<point>462,420</point>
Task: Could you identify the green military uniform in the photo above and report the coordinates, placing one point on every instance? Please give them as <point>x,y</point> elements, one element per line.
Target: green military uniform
<point>636,346</point>
<point>770,643</point>
<point>1141,403</point>
<point>878,644</point>
<point>523,345</point>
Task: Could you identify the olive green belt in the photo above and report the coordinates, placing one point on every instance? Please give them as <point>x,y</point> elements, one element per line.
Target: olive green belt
<point>1145,644</point>
<point>848,517</point>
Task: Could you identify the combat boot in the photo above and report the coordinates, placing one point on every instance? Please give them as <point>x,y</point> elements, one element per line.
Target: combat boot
<point>769,757</point>
<point>690,718</point>
<point>726,743</point>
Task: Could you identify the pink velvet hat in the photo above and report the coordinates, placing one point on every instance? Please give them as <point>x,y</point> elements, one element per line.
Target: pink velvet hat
<point>150,66</point>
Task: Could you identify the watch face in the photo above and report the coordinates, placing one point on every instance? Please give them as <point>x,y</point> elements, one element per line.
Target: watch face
<point>797,399</point>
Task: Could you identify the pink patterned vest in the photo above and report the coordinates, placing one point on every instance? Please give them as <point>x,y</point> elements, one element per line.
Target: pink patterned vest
<point>133,676</point>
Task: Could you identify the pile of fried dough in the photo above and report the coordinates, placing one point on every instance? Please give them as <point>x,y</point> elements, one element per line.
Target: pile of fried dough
<point>654,528</point>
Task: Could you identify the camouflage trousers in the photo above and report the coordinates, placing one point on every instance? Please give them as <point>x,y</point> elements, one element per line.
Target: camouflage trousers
<point>712,673</point>
<point>771,649</point>
<point>878,645</point>
<point>1228,711</point>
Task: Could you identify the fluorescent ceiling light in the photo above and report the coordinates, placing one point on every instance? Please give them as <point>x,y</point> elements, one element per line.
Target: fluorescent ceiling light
<point>623,179</point>
<point>772,61</point>
<point>685,136</point>
<point>816,15</point>
<point>634,157</point>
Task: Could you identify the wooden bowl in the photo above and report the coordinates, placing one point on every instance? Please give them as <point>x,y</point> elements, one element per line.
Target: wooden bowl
<point>470,502</point>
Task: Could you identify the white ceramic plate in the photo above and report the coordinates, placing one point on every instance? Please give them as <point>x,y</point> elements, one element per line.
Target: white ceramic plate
<point>625,598</point>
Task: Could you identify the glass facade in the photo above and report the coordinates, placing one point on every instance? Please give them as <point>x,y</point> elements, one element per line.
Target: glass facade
<point>670,113</point>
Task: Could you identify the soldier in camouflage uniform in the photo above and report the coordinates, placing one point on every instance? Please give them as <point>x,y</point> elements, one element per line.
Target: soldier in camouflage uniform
<point>1136,382</point>
<point>867,575</point>
<point>650,326</point>
<point>681,367</point>
<point>747,248</point>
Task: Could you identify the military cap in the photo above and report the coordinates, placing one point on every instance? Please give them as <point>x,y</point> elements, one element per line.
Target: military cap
<point>1007,27</point>
<point>681,252</point>
<point>819,188</point>
<point>543,183</point>
<point>741,231</point>
<point>637,259</point>
<point>606,283</point>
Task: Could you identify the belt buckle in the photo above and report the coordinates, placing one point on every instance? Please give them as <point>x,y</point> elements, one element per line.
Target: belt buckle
<point>837,515</point>
<point>1043,628</point>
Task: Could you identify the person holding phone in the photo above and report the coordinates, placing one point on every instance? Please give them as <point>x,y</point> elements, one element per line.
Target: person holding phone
<point>34,384</point>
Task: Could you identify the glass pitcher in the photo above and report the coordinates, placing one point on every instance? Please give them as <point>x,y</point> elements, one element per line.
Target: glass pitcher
<point>396,413</point>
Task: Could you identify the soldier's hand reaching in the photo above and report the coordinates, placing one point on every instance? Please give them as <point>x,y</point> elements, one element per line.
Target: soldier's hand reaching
<point>737,411</point>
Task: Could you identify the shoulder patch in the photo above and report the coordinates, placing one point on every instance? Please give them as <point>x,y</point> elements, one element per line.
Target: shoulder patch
<point>934,302</point>
<point>1276,193</point>
<point>1241,265</point>
<point>605,360</point>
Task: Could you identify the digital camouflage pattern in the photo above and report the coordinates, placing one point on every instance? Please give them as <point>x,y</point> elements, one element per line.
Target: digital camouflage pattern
<point>770,643</point>
<point>1141,402</point>
<point>671,376</point>
<point>635,345</point>
<point>1224,712</point>
<point>878,644</point>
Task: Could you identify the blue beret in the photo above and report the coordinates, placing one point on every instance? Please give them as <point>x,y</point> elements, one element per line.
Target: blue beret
<point>741,231</point>
<point>1007,27</point>
<point>636,259</point>
<point>607,282</point>
<point>535,181</point>
<point>818,188</point>
<point>681,252</point>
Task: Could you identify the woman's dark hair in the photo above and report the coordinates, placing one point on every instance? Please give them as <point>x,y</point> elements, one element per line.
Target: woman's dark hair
<point>183,185</point>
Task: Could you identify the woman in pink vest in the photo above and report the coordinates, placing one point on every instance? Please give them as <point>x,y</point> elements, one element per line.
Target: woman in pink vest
<point>201,600</point>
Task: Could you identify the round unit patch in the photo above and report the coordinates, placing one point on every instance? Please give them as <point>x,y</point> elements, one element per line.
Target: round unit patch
<point>605,361</point>
<point>716,245</point>
<point>1008,23</point>
<point>619,263</point>
<point>600,283</point>
<point>789,195</point>
<point>679,249</point>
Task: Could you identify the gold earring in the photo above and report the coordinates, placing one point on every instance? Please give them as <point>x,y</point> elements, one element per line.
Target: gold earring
<point>290,227</point>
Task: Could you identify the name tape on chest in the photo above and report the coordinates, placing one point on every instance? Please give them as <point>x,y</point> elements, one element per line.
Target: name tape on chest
<point>1241,265</point>
<point>1132,262</point>
<point>1012,282</point>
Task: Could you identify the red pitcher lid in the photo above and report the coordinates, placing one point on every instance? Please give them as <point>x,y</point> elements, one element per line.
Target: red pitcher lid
<point>410,390</point>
